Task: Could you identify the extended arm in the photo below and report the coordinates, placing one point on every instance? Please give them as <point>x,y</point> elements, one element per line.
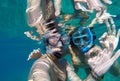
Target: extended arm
<point>40,71</point>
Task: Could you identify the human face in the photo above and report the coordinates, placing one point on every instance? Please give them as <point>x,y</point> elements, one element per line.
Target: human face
<point>58,43</point>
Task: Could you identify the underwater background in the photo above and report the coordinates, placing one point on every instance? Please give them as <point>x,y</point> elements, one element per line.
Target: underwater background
<point>15,46</point>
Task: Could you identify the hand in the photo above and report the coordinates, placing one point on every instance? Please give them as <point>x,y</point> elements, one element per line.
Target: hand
<point>112,38</point>
<point>35,54</point>
<point>101,60</point>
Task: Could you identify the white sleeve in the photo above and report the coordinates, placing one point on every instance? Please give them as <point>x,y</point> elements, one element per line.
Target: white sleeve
<point>40,71</point>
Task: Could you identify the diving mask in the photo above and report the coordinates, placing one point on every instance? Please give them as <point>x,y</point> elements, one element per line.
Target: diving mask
<point>83,37</point>
<point>54,40</point>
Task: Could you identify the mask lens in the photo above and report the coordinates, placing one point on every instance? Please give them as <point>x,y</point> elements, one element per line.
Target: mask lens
<point>81,37</point>
<point>77,41</point>
<point>53,41</point>
<point>76,38</point>
<point>86,38</point>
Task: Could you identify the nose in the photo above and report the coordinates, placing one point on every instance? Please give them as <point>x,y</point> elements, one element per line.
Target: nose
<point>60,44</point>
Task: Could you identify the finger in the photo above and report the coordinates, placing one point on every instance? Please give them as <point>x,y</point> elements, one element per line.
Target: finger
<point>108,26</point>
<point>103,36</point>
<point>113,26</point>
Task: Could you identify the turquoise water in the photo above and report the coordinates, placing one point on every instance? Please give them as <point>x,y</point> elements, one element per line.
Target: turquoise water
<point>15,46</point>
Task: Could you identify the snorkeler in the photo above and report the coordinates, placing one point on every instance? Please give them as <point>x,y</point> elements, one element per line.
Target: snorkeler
<point>99,59</point>
<point>49,67</point>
